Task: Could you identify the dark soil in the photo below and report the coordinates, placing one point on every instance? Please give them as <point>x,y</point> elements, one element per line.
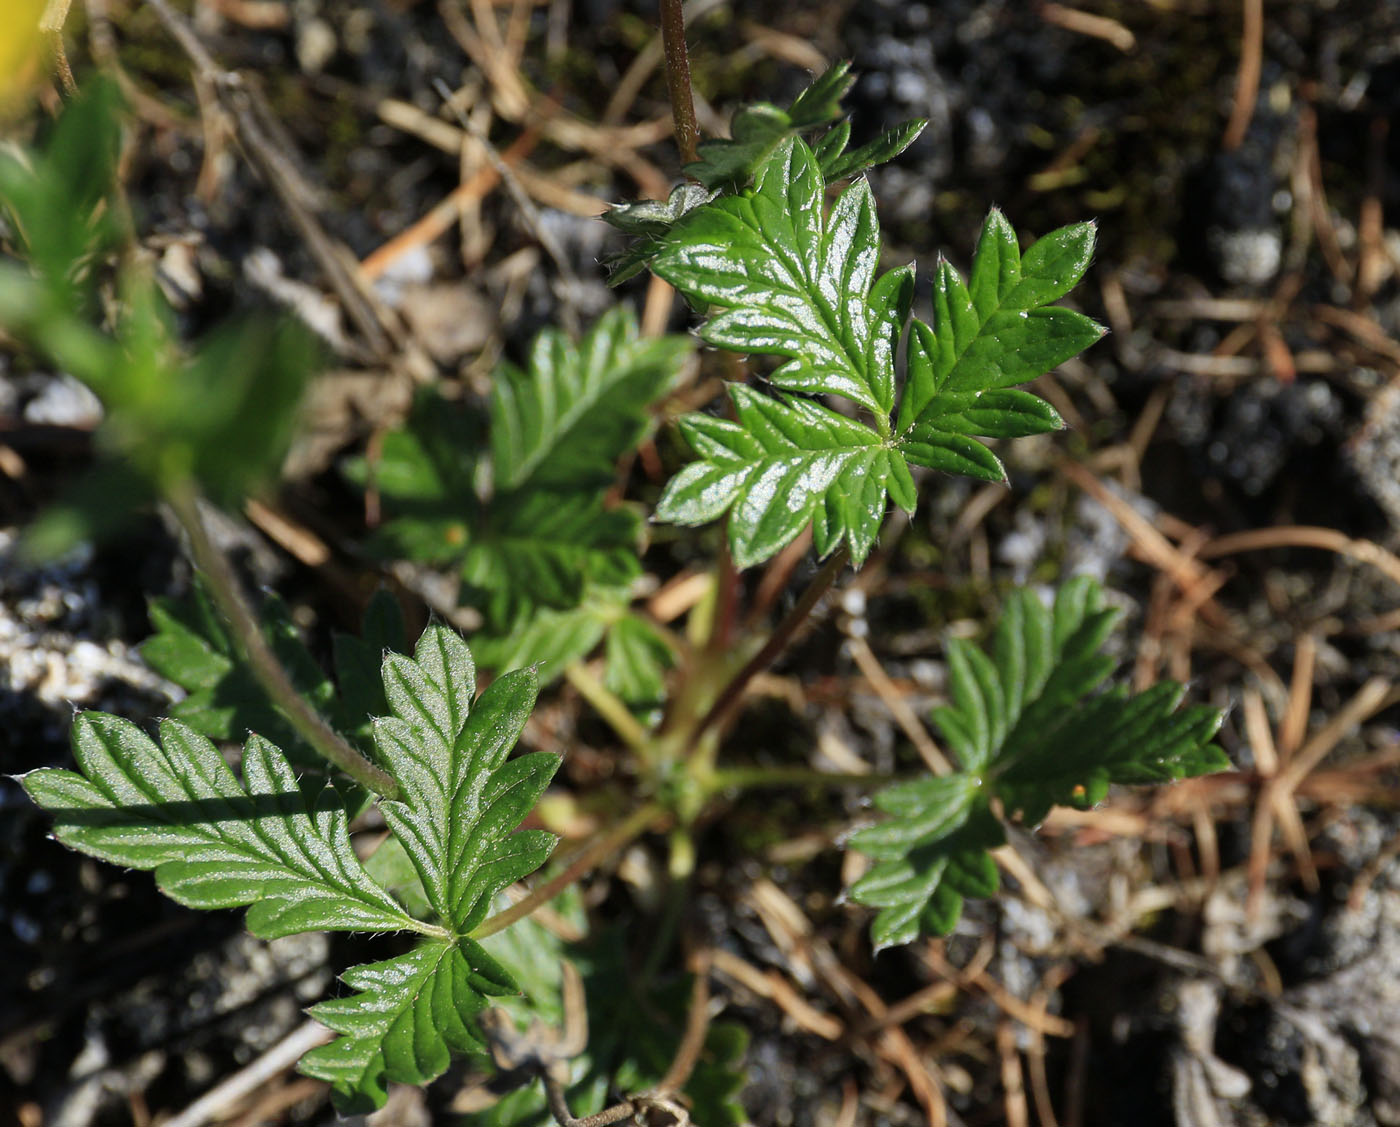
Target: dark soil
<point>1248,384</point>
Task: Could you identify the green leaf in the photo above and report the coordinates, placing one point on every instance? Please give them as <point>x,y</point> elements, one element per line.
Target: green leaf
<point>54,197</point>
<point>837,164</point>
<point>409,1015</point>
<point>550,639</point>
<point>1031,728</point>
<point>638,657</point>
<point>461,798</point>
<point>213,842</point>
<point>781,465</point>
<point>780,278</point>
<point>649,220</point>
<point>525,518</point>
<point>564,422</point>
<point>730,165</point>
<point>545,550</point>
<point>759,129</point>
<point>998,330</point>
<point>391,868</point>
<point>225,701</point>
<point>788,281</point>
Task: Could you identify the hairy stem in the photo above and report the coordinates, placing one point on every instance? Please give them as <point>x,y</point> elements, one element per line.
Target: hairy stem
<point>641,820</point>
<point>265,667</point>
<point>785,631</point>
<point>678,78</point>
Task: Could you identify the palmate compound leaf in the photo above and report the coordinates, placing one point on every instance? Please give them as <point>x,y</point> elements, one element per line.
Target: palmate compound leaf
<point>460,801</point>
<point>1030,730</point>
<point>782,278</point>
<point>215,842</point>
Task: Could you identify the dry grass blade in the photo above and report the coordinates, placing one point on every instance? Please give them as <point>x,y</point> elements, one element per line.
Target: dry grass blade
<point>899,708</point>
<point>1247,81</point>
<point>1305,536</point>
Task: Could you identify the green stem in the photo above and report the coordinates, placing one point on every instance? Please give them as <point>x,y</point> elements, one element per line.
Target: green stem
<point>777,641</point>
<point>678,79</point>
<point>679,872</point>
<point>748,778</point>
<point>641,820</point>
<point>265,667</point>
<point>609,706</point>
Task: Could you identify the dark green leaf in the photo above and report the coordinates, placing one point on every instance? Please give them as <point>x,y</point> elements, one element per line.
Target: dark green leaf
<point>550,639</point>
<point>565,421</point>
<point>460,796</point>
<point>650,220</point>
<point>998,331</point>
<point>837,165</point>
<point>409,1015</point>
<point>637,659</point>
<point>1030,729</point>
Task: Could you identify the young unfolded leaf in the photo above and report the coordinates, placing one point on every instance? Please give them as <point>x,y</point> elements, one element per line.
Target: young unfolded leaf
<point>650,220</point>
<point>1030,730</point>
<point>729,165</point>
<point>759,129</point>
<point>213,842</point>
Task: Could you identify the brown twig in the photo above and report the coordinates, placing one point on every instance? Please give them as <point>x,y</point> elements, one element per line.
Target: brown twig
<point>1085,23</point>
<point>1306,536</point>
<point>216,1102</point>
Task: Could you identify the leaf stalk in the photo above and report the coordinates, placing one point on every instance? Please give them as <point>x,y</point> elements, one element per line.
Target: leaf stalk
<point>183,499</point>
<point>642,819</point>
<point>777,641</point>
<point>609,706</point>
